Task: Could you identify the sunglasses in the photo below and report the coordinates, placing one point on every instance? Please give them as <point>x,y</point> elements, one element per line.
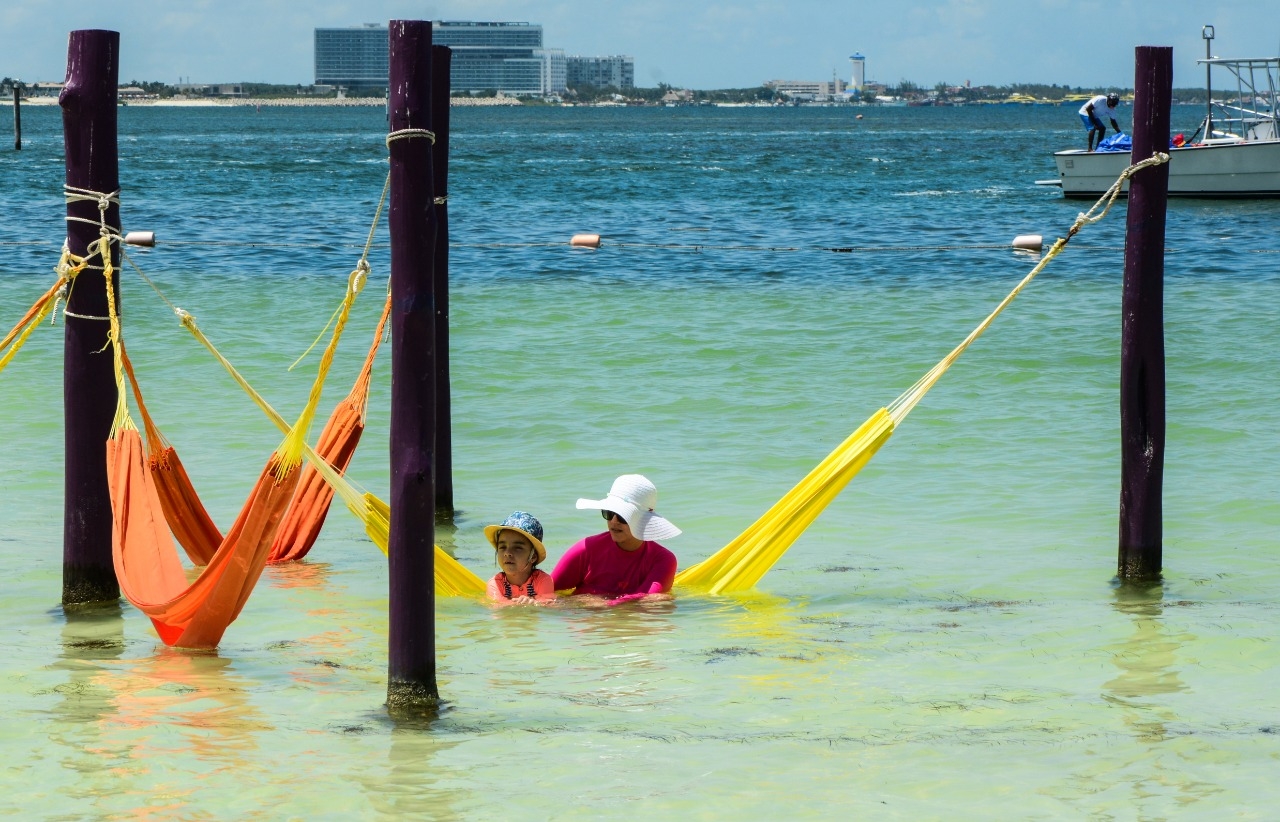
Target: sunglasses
<point>608,515</point>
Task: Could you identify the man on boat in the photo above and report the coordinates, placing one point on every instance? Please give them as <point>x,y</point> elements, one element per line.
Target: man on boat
<point>1091,115</point>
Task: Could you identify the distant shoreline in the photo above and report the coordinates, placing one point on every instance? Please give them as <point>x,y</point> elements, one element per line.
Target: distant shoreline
<point>278,102</point>
<point>500,102</point>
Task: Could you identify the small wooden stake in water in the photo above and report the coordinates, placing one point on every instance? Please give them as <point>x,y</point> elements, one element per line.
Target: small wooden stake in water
<point>1142,401</point>
<point>411,641</point>
<point>88,103</point>
<point>441,57</point>
<point>17,118</point>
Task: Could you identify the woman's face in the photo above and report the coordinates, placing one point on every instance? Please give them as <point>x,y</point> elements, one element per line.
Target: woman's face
<point>515,554</point>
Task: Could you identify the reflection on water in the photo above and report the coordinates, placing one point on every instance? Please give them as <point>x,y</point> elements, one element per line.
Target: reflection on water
<point>417,782</point>
<point>1148,657</point>
<point>91,633</point>
<point>446,535</point>
<point>121,724</point>
<point>1154,768</point>
<point>300,574</point>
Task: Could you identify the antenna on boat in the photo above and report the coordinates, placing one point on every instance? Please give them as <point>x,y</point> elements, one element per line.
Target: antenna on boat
<point>1207,34</point>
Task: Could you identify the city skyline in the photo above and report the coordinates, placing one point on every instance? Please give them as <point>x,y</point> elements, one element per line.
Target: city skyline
<point>741,43</point>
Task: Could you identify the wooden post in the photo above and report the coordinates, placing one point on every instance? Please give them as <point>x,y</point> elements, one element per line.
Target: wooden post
<point>411,674</point>
<point>88,103</point>
<point>441,58</point>
<point>1142,417</point>
<point>17,118</point>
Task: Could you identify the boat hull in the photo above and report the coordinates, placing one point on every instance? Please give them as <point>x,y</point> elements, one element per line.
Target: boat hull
<point>1233,170</point>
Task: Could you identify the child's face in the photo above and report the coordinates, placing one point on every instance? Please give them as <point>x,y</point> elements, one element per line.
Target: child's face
<point>515,553</point>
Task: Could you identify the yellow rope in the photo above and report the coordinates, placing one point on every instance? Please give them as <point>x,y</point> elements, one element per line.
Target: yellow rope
<point>121,420</point>
<point>902,406</point>
<point>741,563</point>
<point>69,265</point>
<point>291,450</point>
<point>362,265</point>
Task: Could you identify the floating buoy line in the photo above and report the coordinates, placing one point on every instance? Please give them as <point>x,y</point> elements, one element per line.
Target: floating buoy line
<point>1033,243</point>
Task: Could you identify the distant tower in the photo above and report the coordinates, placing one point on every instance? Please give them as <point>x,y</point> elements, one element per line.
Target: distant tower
<point>859,78</point>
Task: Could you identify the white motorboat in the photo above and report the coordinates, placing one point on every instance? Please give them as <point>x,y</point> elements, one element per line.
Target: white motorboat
<point>1239,155</point>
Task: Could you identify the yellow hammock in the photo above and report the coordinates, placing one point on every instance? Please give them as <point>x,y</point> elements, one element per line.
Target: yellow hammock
<point>739,565</point>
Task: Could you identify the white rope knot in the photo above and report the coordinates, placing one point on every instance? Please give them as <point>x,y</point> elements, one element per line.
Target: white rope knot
<point>441,200</point>
<point>410,133</point>
<point>359,277</point>
<point>104,201</point>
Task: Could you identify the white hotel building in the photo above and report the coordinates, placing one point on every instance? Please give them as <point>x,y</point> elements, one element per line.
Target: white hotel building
<point>505,57</point>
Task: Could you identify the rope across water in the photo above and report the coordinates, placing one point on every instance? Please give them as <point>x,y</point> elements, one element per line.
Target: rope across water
<point>902,406</point>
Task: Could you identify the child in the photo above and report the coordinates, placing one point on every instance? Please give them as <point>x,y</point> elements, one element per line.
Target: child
<point>518,543</point>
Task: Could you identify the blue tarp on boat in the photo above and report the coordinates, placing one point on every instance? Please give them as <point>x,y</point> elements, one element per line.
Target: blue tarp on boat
<point>1116,142</point>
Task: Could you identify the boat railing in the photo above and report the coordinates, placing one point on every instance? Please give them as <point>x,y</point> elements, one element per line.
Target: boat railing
<point>1242,123</point>
<point>1252,116</point>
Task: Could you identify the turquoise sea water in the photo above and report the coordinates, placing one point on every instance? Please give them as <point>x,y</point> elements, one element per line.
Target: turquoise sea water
<point>946,642</point>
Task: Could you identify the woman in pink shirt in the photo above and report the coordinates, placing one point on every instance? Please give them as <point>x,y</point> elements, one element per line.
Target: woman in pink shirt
<point>624,563</point>
<point>518,543</point>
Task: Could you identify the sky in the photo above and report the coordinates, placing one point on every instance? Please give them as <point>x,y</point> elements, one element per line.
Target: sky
<point>703,44</point>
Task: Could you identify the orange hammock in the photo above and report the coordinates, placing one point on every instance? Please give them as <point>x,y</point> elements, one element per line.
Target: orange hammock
<point>195,615</point>
<point>190,522</point>
<point>151,575</point>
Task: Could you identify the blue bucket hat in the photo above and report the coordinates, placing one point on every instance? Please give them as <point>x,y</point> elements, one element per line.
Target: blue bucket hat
<point>524,523</point>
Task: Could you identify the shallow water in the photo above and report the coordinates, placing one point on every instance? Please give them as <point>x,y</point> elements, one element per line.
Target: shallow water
<point>947,641</point>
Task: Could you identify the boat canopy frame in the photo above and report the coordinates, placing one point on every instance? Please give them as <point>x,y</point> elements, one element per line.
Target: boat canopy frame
<point>1258,83</point>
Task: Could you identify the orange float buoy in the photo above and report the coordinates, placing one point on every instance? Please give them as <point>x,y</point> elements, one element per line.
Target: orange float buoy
<point>585,241</point>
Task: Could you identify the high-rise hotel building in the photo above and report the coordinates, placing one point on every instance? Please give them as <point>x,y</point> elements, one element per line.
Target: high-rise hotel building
<point>601,72</point>
<point>506,57</point>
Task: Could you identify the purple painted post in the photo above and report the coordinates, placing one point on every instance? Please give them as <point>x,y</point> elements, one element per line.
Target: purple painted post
<point>17,117</point>
<point>411,673</point>
<point>441,58</point>
<point>1142,417</point>
<point>88,103</point>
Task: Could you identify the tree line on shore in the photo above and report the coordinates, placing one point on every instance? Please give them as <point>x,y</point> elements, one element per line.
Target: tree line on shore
<point>941,92</point>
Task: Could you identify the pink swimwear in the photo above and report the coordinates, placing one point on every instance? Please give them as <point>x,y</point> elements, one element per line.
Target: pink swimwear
<point>596,565</point>
<point>539,586</point>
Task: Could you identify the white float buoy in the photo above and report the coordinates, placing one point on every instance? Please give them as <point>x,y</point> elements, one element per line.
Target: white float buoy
<point>142,238</point>
<point>585,241</point>
<point>1028,242</point>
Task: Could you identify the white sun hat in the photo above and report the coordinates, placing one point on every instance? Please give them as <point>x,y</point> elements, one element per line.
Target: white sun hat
<point>633,498</point>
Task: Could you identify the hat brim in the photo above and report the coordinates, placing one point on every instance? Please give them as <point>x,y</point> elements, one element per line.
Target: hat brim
<point>643,524</point>
<point>491,534</point>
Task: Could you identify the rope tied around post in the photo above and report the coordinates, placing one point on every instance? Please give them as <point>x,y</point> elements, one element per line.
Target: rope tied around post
<point>410,133</point>
<point>102,248</point>
<point>104,201</point>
